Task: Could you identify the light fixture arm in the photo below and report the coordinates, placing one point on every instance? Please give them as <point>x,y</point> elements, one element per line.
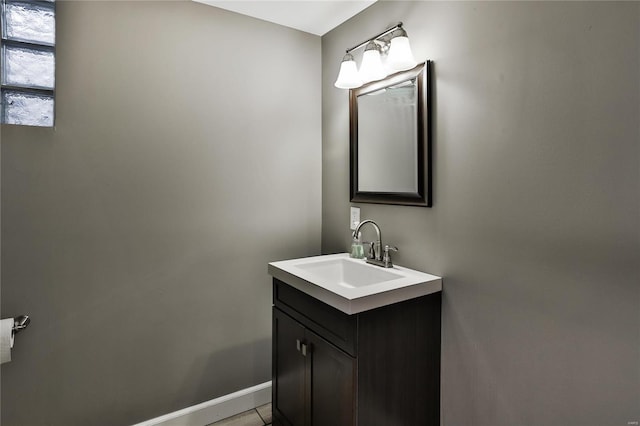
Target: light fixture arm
<point>375,38</point>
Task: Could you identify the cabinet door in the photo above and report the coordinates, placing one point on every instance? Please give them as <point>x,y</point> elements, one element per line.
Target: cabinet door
<point>331,374</point>
<point>288,370</point>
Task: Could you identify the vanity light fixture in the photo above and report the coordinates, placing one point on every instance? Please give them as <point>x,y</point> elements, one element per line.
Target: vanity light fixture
<point>392,44</point>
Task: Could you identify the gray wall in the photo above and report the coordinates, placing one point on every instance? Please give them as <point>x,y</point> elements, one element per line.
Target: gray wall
<point>535,225</point>
<point>137,233</point>
<point>0,263</point>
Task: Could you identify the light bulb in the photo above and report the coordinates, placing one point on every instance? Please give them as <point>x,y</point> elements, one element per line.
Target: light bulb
<point>400,57</point>
<point>371,68</point>
<point>348,77</point>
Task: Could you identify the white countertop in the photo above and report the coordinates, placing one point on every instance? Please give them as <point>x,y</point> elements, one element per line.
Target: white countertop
<point>352,285</point>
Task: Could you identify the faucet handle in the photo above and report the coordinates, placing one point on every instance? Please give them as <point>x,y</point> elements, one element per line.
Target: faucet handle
<point>371,252</point>
<point>387,247</point>
<point>387,256</point>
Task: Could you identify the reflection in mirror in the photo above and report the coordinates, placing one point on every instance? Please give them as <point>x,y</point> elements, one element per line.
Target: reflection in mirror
<point>390,146</point>
<point>386,115</point>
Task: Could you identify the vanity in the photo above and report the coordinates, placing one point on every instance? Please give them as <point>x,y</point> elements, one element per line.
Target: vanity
<point>354,344</point>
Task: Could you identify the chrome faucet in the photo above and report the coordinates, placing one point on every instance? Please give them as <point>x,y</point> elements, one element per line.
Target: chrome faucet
<point>375,255</point>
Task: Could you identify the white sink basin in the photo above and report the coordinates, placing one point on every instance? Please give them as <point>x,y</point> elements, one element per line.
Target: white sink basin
<point>352,285</point>
<point>347,273</point>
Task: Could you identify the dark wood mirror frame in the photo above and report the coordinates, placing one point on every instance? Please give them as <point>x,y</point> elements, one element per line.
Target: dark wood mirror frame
<point>423,196</point>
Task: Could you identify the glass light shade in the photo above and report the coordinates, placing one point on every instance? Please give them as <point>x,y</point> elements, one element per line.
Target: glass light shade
<point>371,68</point>
<point>400,57</point>
<point>348,78</point>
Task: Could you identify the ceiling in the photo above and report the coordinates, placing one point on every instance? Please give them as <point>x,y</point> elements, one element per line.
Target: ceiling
<point>312,16</point>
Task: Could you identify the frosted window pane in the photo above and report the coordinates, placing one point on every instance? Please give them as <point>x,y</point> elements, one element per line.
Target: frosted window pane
<point>27,109</point>
<point>30,22</point>
<point>29,67</point>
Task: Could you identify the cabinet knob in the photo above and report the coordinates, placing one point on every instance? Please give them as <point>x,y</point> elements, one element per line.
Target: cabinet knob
<point>304,350</point>
<point>298,345</point>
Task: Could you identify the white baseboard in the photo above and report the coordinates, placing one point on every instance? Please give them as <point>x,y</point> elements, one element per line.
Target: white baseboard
<point>216,409</point>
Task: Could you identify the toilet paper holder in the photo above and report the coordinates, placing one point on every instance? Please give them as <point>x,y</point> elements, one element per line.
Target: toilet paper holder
<point>20,323</point>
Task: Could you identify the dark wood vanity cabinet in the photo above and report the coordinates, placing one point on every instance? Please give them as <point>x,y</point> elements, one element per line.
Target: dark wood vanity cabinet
<point>375,368</point>
<point>315,379</point>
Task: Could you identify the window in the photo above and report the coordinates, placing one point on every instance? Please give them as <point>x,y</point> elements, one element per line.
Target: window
<point>28,62</point>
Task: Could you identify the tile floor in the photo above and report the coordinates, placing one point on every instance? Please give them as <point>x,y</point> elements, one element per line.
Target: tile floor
<point>259,416</point>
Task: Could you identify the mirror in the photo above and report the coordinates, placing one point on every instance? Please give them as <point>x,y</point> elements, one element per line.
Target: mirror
<point>390,139</point>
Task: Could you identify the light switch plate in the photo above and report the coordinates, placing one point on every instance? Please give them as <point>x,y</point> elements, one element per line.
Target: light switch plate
<point>354,218</point>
